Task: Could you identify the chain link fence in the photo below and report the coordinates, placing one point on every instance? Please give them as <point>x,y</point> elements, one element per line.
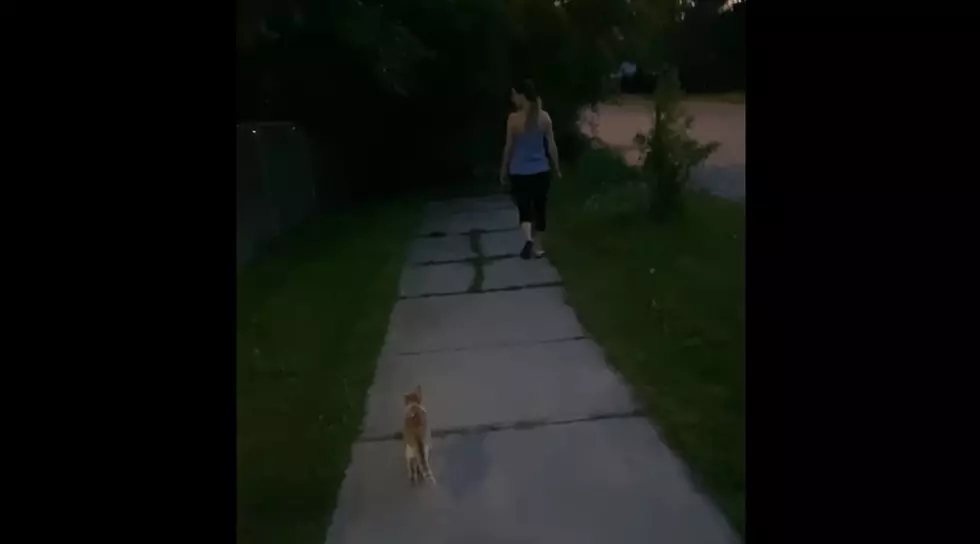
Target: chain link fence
<point>276,184</point>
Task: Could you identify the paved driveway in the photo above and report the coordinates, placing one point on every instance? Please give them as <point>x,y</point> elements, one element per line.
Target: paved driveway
<point>722,174</point>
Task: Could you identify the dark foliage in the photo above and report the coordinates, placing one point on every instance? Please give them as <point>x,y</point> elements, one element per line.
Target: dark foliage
<point>400,94</point>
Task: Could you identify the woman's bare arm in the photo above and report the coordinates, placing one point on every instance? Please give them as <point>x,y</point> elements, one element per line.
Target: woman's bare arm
<point>508,147</point>
<point>552,146</point>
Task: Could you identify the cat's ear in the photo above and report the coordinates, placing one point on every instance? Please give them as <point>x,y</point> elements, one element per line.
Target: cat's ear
<point>418,390</point>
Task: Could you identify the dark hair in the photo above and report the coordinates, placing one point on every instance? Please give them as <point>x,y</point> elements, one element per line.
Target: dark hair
<point>526,88</point>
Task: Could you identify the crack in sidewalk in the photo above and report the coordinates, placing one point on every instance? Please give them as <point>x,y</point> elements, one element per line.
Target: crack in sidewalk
<point>444,234</point>
<point>476,285</point>
<point>485,259</point>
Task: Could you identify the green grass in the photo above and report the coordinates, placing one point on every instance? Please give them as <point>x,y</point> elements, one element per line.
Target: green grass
<point>667,303</point>
<point>311,317</point>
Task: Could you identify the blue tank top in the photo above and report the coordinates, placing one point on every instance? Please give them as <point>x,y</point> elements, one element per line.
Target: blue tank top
<point>528,156</point>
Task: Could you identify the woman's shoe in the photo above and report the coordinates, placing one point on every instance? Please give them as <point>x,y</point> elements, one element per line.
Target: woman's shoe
<point>526,251</point>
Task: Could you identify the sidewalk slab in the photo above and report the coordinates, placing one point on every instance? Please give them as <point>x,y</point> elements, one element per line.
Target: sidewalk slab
<point>504,218</point>
<point>581,483</point>
<point>470,204</point>
<point>498,244</point>
<point>447,248</point>
<point>552,381</point>
<point>480,320</point>
<point>518,272</point>
<point>436,279</point>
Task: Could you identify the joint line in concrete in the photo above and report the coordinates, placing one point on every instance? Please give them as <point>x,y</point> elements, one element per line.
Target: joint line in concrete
<point>485,291</point>
<point>521,425</point>
<point>493,346</point>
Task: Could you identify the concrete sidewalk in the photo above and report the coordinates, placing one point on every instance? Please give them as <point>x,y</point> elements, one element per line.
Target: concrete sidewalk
<point>535,439</point>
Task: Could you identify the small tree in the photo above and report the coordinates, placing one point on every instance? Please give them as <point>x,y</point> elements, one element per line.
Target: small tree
<point>669,152</point>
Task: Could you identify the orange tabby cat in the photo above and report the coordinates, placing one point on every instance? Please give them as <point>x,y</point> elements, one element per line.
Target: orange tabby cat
<point>417,438</point>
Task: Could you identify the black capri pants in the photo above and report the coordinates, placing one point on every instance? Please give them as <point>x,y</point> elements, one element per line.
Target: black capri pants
<point>530,194</point>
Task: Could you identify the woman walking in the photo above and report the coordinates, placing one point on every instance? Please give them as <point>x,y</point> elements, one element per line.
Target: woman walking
<point>526,164</point>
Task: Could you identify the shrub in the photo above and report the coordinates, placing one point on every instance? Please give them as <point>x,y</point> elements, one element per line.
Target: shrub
<point>669,152</point>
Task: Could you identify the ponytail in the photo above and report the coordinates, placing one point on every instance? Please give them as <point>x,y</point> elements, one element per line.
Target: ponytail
<point>526,88</point>
<point>533,112</point>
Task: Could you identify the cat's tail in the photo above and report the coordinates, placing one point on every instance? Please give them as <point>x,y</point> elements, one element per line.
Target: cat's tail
<point>424,461</point>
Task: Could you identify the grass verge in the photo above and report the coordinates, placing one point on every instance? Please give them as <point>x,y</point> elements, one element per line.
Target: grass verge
<point>311,317</point>
<point>667,304</point>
